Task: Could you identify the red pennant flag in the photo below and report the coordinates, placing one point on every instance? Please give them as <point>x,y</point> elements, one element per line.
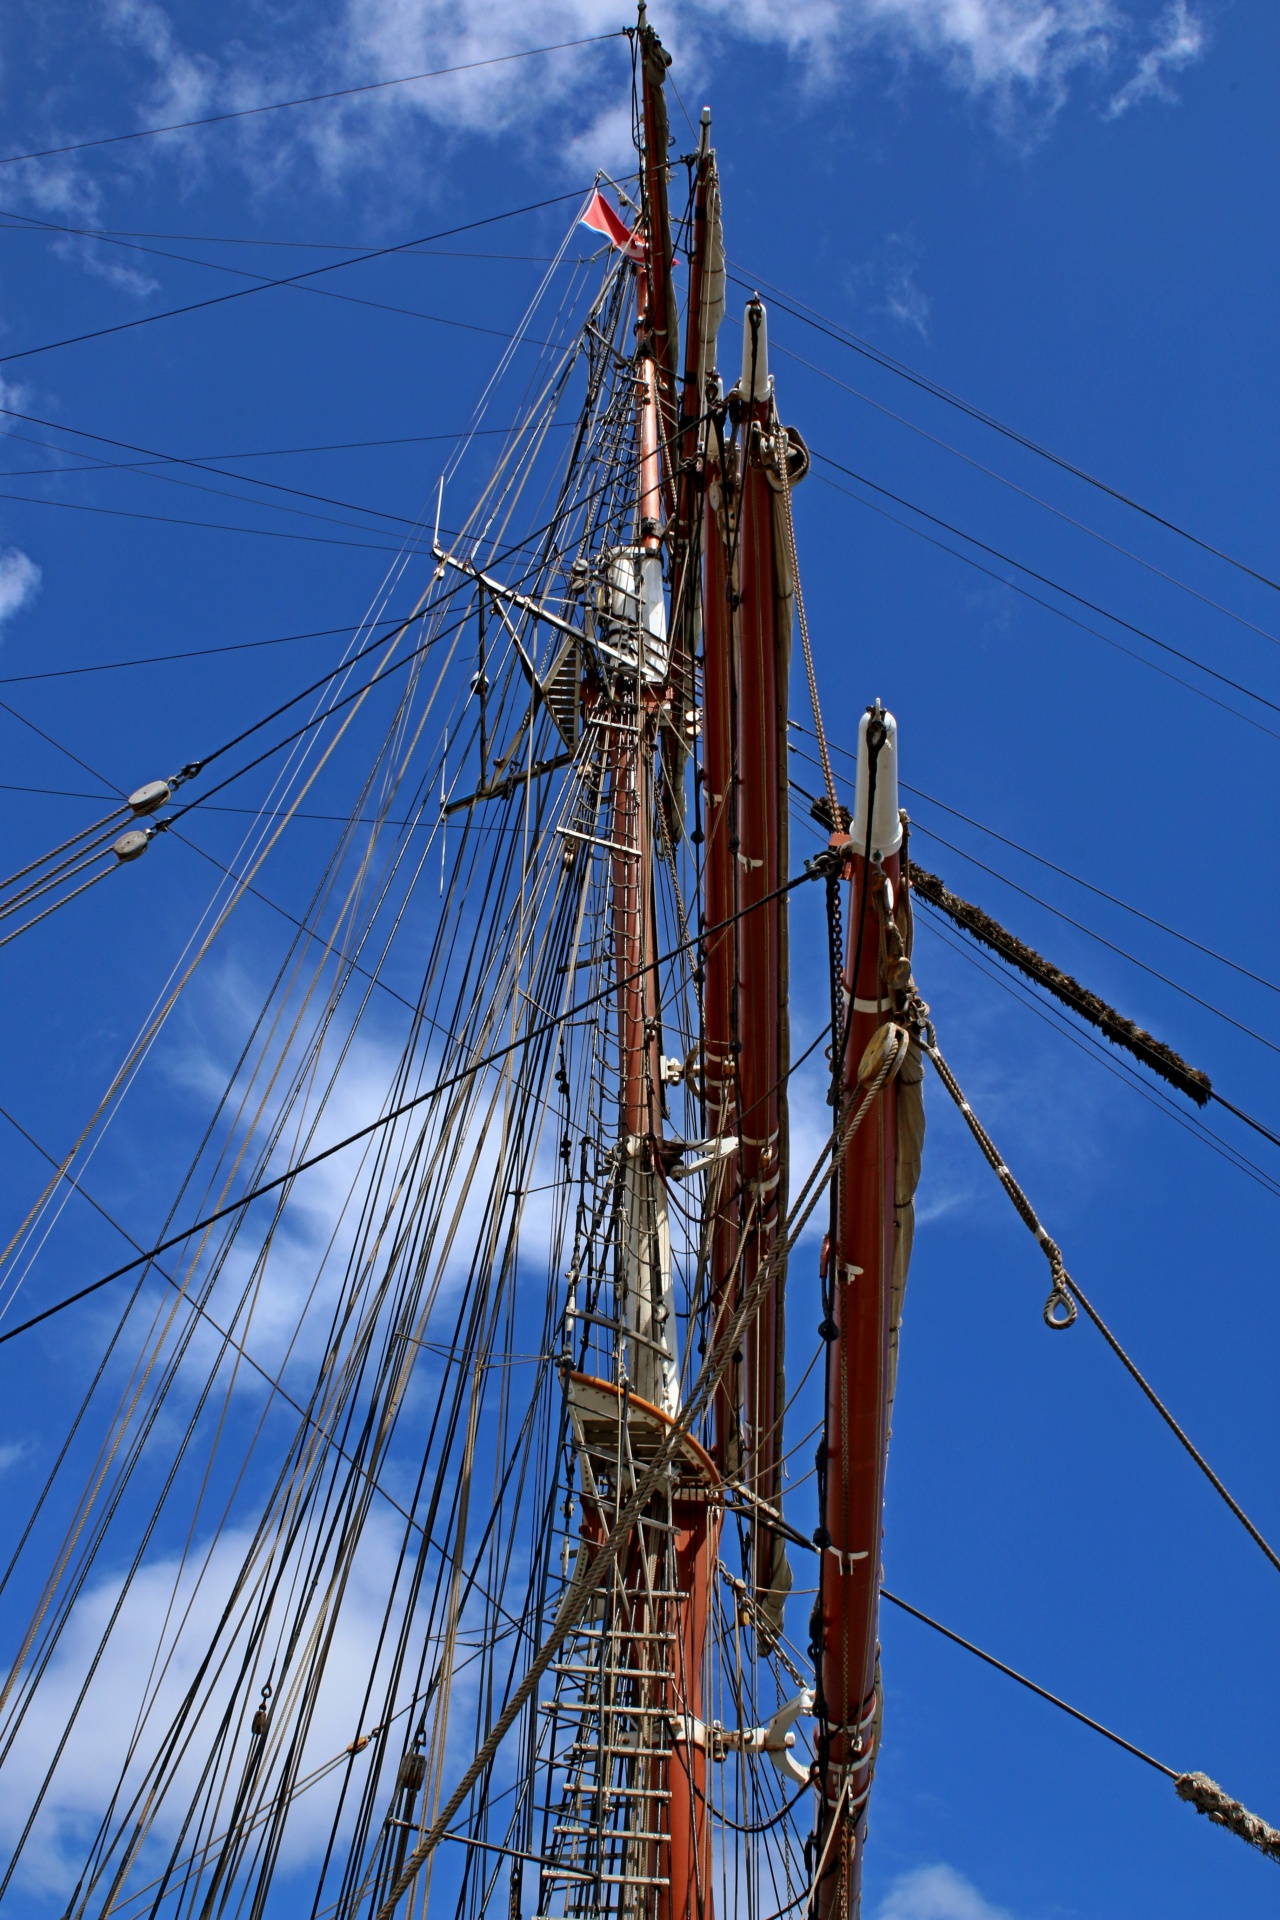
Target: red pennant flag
<point>601,216</point>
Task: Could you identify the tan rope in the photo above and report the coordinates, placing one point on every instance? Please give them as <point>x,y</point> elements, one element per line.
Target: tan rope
<point>578,1593</point>
<point>1066,1293</point>
<point>820,733</point>
<point>1060,1307</point>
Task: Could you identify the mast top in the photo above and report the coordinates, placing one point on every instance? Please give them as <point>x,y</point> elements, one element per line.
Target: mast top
<point>755,351</point>
<point>878,741</point>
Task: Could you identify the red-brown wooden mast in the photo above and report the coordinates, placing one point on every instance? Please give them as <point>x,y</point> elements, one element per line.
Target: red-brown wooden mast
<point>859,1282</point>
<point>760,855</point>
<point>663,321</point>
<point>687,1894</point>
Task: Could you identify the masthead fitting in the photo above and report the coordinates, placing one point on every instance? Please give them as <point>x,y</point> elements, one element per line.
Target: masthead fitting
<point>886,826</point>
<point>755,351</point>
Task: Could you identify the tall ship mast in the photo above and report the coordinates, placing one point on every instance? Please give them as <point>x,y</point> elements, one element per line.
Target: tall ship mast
<point>474,1505</point>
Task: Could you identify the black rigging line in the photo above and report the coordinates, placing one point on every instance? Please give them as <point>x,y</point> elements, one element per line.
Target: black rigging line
<point>89,465</point>
<point>66,751</point>
<point>1012,586</point>
<point>1211,1093</point>
<point>306,100</point>
<point>21,225</point>
<point>821,324</point>
<point>1107,1059</point>
<point>311,933</point>
<point>1189,659</point>
<point>1101,939</point>
<point>1113,899</point>
<point>189,653</point>
<point>197,1307</point>
<point>1016,955</point>
<point>1249,1119</point>
<point>292,279</point>
<point>993,473</point>
<point>385,1120</point>
<point>214,526</point>
<point>1022,1680</point>
<point>267,813</point>
<point>243,273</point>
<point>203,466</point>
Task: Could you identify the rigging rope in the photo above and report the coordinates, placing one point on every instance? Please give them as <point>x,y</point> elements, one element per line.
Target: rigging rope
<point>294,279</point>
<point>466,1074</point>
<point>1195,1788</point>
<point>310,99</point>
<point>788,522</point>
<point>1120,1031</point>
<point>1065,1293</point>
<point>819,322</point>
<point>586,1580</point>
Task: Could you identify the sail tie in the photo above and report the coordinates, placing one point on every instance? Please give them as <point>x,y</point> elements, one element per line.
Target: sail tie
<point>1207,1797</point>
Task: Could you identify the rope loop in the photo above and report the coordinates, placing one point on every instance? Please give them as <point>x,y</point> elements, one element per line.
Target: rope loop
<point>1060,1309</point>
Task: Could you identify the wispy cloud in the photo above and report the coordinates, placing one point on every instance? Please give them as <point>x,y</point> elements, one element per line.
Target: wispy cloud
<point>886,284</point>
<point>1180,41</point>
<point>937,1893</point>
<point>1017,59</point>
<point>184,83</point>
<point>19,582</point>
<point>985,47</point>
<point>153,1640</point>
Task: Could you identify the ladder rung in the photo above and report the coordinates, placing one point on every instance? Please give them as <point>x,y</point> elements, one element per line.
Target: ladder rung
<point>621,1753</point>
<point>618,1835</point>
<point>622,1633</point>
<point>608,1879</point>
<point>592,1670</point>
<point>620,1792</point>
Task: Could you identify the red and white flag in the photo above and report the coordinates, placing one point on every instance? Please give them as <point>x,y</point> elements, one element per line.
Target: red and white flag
<point>602,217</point>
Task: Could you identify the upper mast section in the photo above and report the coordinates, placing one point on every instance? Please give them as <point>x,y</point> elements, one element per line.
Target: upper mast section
<point>661,319</point>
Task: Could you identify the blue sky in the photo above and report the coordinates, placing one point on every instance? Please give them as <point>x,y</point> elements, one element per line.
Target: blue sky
<point>1062,210</point>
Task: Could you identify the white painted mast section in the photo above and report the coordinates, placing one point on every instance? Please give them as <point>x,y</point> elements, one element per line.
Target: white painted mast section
<point>755,351</point>
<point>645,1233</point>
<point>652,1368</point>
<point>886,827</point>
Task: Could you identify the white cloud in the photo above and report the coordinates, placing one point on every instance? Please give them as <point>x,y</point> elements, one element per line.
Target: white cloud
<point>985,46</point>
<point>154,1649</point>
<point>886,284</point>
<point>19,582</point>
<point>1018,58</point>
<point>13,394</point>
<point>907,303</point>
<point>185,83</point>
<point>1180,41</point>
<point>937,1893</point>
<point>12,1453</point>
